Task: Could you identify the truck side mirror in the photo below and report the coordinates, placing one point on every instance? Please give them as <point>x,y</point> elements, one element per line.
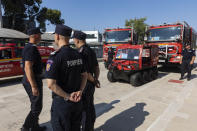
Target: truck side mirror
<point>103,38</point>
<point>147,33</point>
<point>104,34</point>
<point>178,40</point>
<point>130,41</point>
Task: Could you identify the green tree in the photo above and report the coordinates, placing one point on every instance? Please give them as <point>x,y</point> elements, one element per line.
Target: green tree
<point>11,14</point>
<point>139,26</point>
<point>24,14</point>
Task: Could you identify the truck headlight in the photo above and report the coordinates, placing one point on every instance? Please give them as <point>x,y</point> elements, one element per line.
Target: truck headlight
<point>178,57</point>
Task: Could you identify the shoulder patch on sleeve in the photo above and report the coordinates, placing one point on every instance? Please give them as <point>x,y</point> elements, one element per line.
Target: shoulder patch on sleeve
<point>48,66</point>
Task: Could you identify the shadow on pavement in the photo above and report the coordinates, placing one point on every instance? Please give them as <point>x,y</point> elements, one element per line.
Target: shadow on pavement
<point>161,74</point>
<point>169,69</point>
<point>193,76</point>
<point>174,69</point>
<point>100,109</point>
<point>104,107</point>
<point>10,82</point>
<point>128,120</point>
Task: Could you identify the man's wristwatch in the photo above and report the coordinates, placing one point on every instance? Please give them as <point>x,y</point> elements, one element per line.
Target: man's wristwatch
<point>66,98</point>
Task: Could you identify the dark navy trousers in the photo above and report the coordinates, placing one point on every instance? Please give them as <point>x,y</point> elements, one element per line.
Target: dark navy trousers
<point>186,67</point>
<point>32,118</point>
<point>65,115</point>
<point>89,114</point>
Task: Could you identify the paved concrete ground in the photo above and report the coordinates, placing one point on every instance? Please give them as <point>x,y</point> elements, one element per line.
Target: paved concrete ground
<point>157,106</point>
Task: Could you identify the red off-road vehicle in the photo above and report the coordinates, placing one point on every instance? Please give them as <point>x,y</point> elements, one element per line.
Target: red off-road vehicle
<point>136,64</point>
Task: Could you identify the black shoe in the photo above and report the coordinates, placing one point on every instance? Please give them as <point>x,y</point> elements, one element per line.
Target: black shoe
<point>181,78</point>
<point>24,129</point>
<point>188,79</point>
<point>39,128</point>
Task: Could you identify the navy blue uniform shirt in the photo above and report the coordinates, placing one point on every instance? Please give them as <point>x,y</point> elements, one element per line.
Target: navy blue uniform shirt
<point>89,58</point>
<point>31,53</point>
<point>111,54</point>
<point>65,66</point>
<point>188,54</point>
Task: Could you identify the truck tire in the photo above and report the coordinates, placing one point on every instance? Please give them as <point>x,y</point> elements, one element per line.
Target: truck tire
<point>155,73</point>
<point>151,75</point>
<point>145,77</point>
<point>110,77</point>
<point>136,79</point>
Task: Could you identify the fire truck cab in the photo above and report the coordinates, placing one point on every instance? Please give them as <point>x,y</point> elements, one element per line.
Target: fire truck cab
<point>170,39</point>
<point>117,37</point>
<point>11,59</point>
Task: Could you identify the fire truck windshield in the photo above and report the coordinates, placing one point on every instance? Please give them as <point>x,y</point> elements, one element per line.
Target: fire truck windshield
<point>117,36</point>
<point>164,34</point>
<point>128,54</point>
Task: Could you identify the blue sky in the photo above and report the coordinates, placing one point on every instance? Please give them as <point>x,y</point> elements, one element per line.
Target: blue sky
<point>101,14</point>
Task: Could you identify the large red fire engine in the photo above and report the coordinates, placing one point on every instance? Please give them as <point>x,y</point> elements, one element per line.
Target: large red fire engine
<point>117,37</point>
<point>170,39</point>
<point>11,61</point>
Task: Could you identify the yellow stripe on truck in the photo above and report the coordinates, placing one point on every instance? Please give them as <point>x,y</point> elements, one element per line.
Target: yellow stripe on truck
<point>45,57</point>
<point>19,59</point>
<point>6,60</point>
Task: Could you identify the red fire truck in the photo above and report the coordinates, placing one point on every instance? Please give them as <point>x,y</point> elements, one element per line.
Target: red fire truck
<point>117,37</point>
<point>11,61</point>
<point>170,39</point>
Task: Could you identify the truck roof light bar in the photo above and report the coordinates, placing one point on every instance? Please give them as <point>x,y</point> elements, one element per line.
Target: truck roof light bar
<point>176,23</point>
<point>127,27</point>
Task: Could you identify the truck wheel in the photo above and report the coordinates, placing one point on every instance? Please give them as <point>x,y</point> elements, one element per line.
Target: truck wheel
<point>110,77</point>
<point>155,73</point>
<point>151,76</point>
<point>136,79</point>
<point>145,77</point>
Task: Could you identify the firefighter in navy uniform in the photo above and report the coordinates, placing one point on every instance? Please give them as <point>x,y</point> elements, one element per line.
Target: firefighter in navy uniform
<point>91,64</point>
<point>32,82</point>
<point>111,54</point>
<point>187,60</point>
<point>66,77</point>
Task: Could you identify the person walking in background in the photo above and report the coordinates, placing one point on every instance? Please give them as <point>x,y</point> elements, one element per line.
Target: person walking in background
<point>111,54</point>
<point>187,60</point>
